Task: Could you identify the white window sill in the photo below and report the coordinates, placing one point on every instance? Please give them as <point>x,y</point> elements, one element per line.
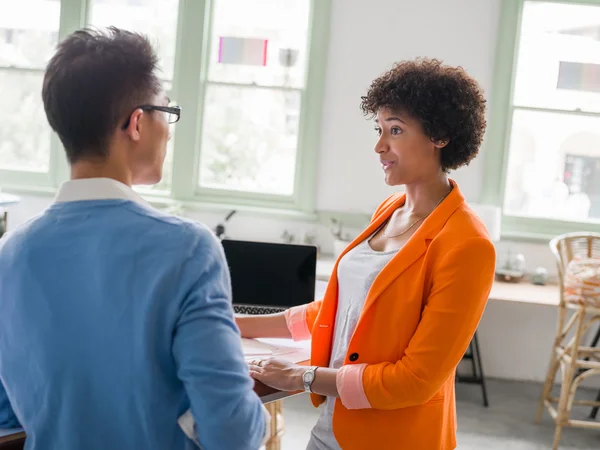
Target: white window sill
<point>174,206</point>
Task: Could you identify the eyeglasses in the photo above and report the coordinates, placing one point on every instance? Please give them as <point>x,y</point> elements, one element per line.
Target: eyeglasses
<point>172,112</point>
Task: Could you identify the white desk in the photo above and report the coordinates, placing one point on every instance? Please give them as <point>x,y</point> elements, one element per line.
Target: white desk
<point>526,292</point>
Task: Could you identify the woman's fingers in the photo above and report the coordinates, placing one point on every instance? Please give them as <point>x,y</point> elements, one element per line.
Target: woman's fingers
<point>257,362</point>
<point>256,368</point>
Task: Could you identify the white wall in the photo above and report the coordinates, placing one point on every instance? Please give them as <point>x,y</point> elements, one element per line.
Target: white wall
<point>366,38</point>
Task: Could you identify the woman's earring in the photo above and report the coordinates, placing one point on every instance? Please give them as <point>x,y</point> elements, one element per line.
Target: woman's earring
<point>440,142</point>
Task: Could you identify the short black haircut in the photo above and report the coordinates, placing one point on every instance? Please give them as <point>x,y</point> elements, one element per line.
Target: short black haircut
<point>448,103</point>
<point>95,78</point>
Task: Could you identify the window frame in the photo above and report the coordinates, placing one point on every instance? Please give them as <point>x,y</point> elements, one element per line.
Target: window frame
<point>72,17</point>
<point>189,77</point>
<point>497,142</point>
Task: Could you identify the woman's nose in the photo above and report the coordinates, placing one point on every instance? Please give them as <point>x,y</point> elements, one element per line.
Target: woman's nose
<point>380,146</point>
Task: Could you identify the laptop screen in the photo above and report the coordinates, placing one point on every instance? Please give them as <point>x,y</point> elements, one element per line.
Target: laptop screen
<point>271,274</point>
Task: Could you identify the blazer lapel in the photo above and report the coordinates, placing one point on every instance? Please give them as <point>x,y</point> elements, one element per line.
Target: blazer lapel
<point>329,310</point>
<point>415,247</point>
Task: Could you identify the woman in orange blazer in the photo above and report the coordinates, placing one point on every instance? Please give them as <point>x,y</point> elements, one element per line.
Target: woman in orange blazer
<point>405,298</point>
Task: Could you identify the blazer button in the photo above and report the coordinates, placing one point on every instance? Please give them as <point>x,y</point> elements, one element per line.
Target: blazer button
<point>353,357</point>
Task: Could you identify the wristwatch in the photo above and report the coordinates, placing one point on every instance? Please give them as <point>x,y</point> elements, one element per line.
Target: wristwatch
<point>308,377</point>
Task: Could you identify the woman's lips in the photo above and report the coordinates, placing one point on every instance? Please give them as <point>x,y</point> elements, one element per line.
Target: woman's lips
<point>387,164</point>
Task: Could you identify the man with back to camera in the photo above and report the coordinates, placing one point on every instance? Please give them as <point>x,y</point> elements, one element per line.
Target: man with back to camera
<point>117,318</point>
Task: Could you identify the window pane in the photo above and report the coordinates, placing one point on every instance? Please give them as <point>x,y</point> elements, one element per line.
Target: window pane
<point>24,131</point>
<point>283,24</point>
<point>559,57</point>
<point>155,18</point>
<point>28,39</point>
<point>249,139</point>
<point>554,166</point>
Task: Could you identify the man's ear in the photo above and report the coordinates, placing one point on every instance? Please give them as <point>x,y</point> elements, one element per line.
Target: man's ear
<point>134,130</point>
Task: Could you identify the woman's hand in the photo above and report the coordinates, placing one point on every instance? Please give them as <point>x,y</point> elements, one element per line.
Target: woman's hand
<point>278,374</point>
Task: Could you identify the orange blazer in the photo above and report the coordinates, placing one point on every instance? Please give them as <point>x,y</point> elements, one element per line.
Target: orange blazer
<point>418,319</point>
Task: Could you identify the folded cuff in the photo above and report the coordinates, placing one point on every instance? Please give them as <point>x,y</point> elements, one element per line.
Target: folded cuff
<point>296,322</point>
<point>350,387</point>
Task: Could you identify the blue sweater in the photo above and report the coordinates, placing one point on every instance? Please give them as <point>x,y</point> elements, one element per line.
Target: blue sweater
<point>114,320</point>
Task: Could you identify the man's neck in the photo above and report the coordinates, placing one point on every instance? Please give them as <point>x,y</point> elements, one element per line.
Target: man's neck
<point>91,169</point>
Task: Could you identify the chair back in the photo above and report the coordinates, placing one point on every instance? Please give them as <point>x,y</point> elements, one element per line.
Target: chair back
<point>568,246</point>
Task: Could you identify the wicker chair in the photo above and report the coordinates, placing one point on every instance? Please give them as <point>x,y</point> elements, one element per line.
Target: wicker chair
<point>277,425</point>
<point>577,362</point>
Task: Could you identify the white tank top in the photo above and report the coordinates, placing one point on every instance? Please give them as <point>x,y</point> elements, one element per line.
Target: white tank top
<point>356,272</point>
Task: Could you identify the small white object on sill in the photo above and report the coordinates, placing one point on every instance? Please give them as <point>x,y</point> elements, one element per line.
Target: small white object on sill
<point>8,199</point>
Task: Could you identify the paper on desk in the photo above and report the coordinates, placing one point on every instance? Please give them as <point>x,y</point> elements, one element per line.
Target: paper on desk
<point>287,349</point>
<point>255,348</point>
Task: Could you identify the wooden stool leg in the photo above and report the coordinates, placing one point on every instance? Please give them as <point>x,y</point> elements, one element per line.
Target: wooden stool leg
<point>554,363</point>
<point>564,411</point>
<point>557,434</point>
<point>550,376</point>
<point>594,343</point>
<point>276,411</point>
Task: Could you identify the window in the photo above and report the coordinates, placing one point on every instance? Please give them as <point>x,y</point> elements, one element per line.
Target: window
<point>27,41</point>
<point>157,19</point>
<point>252,108</point>
<point>247,73</point>
<point>552,132</point>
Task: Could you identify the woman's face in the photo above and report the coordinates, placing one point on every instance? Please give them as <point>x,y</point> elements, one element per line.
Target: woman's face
<point>406,153</point>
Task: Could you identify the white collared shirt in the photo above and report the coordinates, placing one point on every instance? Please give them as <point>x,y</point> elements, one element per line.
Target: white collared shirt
<point>97,189</point>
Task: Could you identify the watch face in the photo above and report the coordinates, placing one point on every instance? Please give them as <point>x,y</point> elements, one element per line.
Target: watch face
<point>308,376</point>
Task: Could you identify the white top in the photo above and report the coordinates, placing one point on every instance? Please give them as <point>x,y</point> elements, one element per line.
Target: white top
<point>356,272</point>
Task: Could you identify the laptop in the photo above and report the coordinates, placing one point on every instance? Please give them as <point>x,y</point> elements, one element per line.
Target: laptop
<point>270,277</point>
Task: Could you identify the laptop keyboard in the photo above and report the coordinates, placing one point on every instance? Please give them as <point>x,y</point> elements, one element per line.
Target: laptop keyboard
<point>257,310</point>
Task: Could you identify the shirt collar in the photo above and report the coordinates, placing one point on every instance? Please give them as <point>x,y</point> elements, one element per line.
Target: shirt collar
<point>97,189</point>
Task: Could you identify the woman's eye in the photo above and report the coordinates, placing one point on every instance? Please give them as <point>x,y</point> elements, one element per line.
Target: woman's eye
<point>396,131</point>
<point>378,131</point>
